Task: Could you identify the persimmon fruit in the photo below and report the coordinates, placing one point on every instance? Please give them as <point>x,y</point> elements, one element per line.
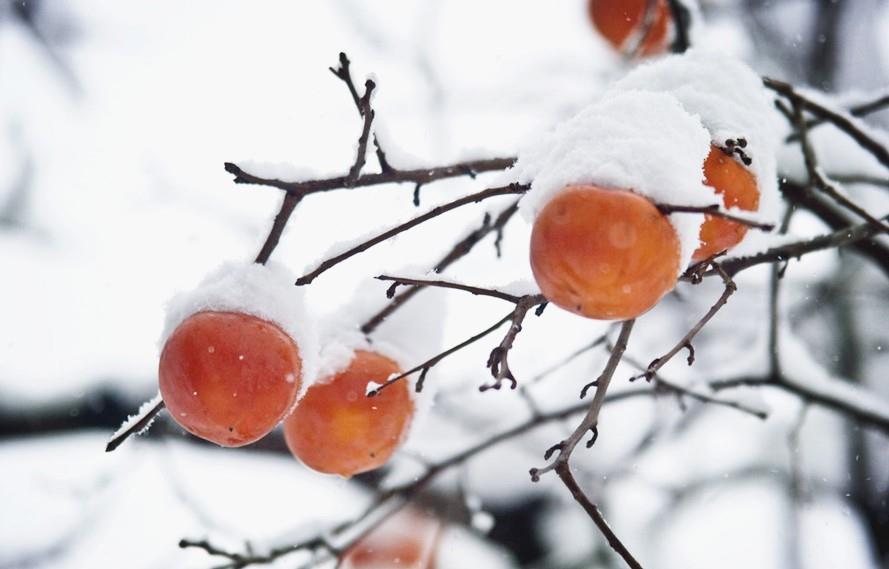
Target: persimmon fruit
<point>408,540</point>
<point>229,377</point>
<point>337,429</point>
<point>738,188</point>
<point>618,20</point>
<point>603,253</point>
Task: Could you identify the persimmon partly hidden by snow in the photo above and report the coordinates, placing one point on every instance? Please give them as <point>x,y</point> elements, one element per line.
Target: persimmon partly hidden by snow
<point>620,21</point>
<point>737,188</point>
<point>337,429</point>
<point>229,377</point>
<point>407,540</point>
<point>603,253</point>
<point>637,140</point>
<point>731,102</point>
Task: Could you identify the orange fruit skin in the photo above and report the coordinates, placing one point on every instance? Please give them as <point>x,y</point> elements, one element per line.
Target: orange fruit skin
<point>337,429</point>
<point>229,377</point>
<point>602,253</point>
<point>408,540</point>
<point>738,188</point>
<point>617,20</point>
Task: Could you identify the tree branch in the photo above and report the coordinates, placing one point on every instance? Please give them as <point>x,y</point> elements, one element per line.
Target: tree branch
<point>714,211</point>
<point>838,119</point>
<point>393,176</point>
<point>457,252</point>
<point>685,342</point>
<point>434,212</point>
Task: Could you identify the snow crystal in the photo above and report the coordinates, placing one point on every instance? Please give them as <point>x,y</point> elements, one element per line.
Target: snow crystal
<point>642,141</point>
<point>264,291</point>
<point>731,102</point>
<point>137,416</point>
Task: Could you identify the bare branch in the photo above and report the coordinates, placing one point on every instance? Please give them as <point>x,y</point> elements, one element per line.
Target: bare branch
<point>862,406</point>
<point>590,423</point>
<point>368,113</point>
<point>840,238</point>
<point>136,424</point>
<point>431,362</point>
<point>860,110</point>
<point>838,119</point>
<point>459,250</point>
<point>817,179</point>
<point>434,212</point>
<point>478,291</point>
<point>685,342</point>
<point>393,176</point>
<point>498,361</point>
<point>271,242</point>
<point>715,211</point>
<point>591,419</point>
<point>872,249</point>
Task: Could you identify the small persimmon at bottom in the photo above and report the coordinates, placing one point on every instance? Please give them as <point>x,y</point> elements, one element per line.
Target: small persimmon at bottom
<point>607,254</point>
<point>337,429</point>
<point>407,540</point>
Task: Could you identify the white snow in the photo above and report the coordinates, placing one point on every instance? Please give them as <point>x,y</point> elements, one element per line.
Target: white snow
<point>137,416</point>
<point>397,156</point>
<point>731,102</point>
<point>641,141</point>
<point>265,291</point>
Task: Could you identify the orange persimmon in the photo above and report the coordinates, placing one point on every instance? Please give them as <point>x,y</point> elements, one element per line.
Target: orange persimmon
<point>618,20</point>
<point>229,377</point>
<point>337,429</point>
<point>738,188</point>
<point>603,253</point>
<point>408,540</point>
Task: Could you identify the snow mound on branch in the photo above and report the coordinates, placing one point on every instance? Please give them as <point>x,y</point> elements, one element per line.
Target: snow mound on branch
<point>731,102</point>
<point>264,291</point>
<point>642,141</point>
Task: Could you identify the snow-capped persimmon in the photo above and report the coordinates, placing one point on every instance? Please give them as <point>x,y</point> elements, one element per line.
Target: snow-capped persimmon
<point>408,540</point>
<point>603,253</point>
<point>619,20</point>
<point>337,429</point>
<point>738,189</point>
<point>229,377</point>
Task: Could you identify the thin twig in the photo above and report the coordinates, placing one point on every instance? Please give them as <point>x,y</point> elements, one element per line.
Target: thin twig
<point>478,291</point>
<point>797,249</point>
<point>819,180</point>
<point>510,189</point>
<point>591,419</point>
<point>424,367</point>
<point>566,447</point>
<point>858,111</point>
<point>343,72</point>
<point>714,211</point>
<point>685,342</point>
<point>498,360</point>
<point>136,427</point>
<point>838,119</point>
<point>393,176</point>
<point>368,114</point>
<point>457,252</point>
